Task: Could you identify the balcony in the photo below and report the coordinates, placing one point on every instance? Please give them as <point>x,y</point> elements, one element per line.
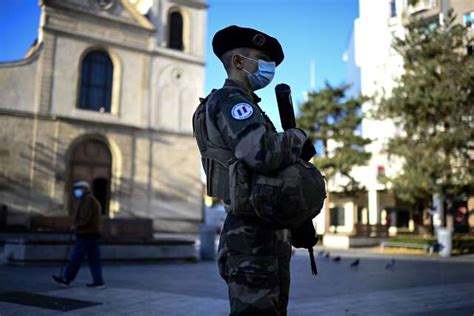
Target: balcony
<point>363,235</point>
<point>416,6</point>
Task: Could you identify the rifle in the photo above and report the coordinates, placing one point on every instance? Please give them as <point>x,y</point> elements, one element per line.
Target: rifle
<point>303,236</point>
<point>287,117</point>
<point>285,106</point>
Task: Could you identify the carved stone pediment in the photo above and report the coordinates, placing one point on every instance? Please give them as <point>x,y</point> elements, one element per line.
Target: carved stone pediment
<point>117,10</point>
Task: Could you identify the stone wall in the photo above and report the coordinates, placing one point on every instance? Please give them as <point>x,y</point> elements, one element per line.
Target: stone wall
<point>154,174</point>
<point>18,84</point>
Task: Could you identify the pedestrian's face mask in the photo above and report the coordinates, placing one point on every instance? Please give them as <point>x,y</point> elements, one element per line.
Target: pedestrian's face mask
<point>78,193</point>
<point>264,74</point>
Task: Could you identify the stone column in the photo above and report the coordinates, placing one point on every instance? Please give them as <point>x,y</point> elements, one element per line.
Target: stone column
<point>374,212</point>
<point>46,70</point>
<point>438,212</point>
<point>349,216</point>
<point>320,221</point>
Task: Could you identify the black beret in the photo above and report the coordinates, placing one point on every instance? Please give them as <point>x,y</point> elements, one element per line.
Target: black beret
<point>233,37</point>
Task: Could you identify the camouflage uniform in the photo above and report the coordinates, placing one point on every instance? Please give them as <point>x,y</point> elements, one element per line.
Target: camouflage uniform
<point>254,258</point>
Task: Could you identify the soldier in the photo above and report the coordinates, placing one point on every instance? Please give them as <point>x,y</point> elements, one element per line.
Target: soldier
<point>253,257</point>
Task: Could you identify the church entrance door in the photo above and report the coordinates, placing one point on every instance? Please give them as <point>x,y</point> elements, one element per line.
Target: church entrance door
<point>91,160</point>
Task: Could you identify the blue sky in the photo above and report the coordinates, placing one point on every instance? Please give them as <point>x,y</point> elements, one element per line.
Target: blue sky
<point>308,30</point>
<point>19,20</point>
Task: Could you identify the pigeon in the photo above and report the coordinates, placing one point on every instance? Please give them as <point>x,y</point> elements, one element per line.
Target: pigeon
<point>355,263</point>
<point>337,259</point>
<point>390,265</point>
<point>326,255</point>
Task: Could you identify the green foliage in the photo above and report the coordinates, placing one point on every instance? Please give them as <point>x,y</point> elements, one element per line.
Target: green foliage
<point>413,239</point>
<point>433,105</point>
<point>461,244</point>
<point>333,119</point>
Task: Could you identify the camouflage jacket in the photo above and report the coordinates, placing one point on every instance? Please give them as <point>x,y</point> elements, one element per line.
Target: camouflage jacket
<point>249,133</point>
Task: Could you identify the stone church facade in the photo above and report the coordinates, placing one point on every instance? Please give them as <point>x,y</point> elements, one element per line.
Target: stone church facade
<point>106,94</point>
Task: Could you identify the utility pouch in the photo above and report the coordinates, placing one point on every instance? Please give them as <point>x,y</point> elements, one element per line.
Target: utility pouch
<point>239,185</point>
<point>217,179</point>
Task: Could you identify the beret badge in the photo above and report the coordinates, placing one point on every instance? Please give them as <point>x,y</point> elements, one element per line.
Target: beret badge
<point>259,40</point>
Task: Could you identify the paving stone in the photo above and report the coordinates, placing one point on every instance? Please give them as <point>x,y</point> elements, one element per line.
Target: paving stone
<point>416,287</point>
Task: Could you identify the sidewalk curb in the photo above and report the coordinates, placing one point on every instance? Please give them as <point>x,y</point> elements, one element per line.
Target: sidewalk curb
<point>372,253</point>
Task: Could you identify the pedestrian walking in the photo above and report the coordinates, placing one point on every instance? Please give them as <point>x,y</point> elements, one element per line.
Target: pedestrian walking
<point>87,228</point>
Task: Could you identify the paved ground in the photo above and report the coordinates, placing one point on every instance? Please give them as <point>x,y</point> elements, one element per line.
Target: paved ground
<point>412,286</point>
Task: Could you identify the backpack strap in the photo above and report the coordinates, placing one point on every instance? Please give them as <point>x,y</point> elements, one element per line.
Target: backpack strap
<point>314,270</point>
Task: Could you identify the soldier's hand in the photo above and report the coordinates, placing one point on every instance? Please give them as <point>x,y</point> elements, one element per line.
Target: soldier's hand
<point>308,150</point>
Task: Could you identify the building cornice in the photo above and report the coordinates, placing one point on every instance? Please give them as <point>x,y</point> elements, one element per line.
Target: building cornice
<point>67,16</point>
<point>197,4</point>
<point>119,126</point>
<point>142,49</point>
<point>91,123</point>
<point>172,53</point>
<point>141,22</point>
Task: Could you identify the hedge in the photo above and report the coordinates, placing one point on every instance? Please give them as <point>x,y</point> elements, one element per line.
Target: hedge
<point>462,244</point>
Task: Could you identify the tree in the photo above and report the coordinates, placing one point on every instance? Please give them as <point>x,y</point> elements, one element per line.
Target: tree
<point>332,120</point>
<point>433,106</point>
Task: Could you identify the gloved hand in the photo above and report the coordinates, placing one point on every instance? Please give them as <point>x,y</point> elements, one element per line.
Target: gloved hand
<point>308,150</point>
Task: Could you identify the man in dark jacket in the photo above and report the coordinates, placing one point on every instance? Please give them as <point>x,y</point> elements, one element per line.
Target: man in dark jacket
<point>88,228</point>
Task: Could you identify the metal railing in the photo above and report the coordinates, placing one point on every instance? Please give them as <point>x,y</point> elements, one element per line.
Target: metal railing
<point>366,230</point>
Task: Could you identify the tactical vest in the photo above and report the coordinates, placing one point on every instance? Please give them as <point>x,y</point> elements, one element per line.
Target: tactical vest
<point>215,157</point>
<point>228,179</point>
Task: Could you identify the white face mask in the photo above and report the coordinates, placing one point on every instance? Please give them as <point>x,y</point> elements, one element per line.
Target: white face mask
<point>264,74</point>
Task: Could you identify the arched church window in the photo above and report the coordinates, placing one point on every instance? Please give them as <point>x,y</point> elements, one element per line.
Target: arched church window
<point>175,38</point>
<point>96,82</point>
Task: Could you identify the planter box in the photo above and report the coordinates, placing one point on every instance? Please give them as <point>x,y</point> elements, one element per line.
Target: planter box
<point>23,250</point>
<point>345,241</point>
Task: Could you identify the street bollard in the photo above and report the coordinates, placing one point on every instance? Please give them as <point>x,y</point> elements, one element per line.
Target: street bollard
<point>208,242</point>
<point>445,241</point>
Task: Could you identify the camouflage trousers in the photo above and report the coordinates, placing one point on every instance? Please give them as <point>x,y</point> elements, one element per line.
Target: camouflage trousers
<point>254,260</point>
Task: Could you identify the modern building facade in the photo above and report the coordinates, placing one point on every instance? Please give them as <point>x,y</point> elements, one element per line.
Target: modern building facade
<point>373,65</point>
<point>106,94</point>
